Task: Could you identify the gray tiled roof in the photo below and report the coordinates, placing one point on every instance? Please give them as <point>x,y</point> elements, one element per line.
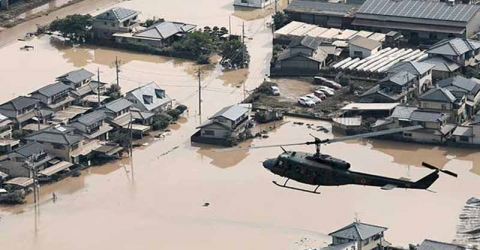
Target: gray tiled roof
<point>438,95</point>
<point>358,231</point>
<point>318,56</point>
<point>153,92</point>
<point>463,131</point>
<point>306,41</point>
<point>403,112</point>
<point>118,105</point>
<point>415,68</point>
<point>60,135</point>
<point>401,78</point>
<point>165,30</point>
<point>29,149</point>
<point>454,46</point>
<point>231,112</point>
<point>117,14</point>
<point>93,117</point>
<point>365,43</point>
<point>442,64</point>
<point>52,89</point>
<point>435,245</point>
<point>19,103</point>
<point>419,9</point>
<point>320,7</point>
<point>428,116</point>
<point>76,76</point>
<point>460,82</point>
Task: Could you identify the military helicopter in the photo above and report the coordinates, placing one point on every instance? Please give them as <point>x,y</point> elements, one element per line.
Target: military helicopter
<point>324,170</point>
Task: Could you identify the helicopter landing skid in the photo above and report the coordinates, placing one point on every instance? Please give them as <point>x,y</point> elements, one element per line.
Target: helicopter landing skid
<point>298,189</point>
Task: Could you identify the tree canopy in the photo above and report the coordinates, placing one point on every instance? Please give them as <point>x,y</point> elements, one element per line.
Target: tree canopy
<point>280,19</point>
<point>231,52</point>
<point>76,27</point>
<point>200,44</point>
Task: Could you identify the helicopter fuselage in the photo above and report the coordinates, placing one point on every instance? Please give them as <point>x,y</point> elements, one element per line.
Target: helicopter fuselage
<point>324,170</point>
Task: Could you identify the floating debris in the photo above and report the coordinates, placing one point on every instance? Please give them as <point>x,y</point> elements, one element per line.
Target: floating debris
<point>298,123</point>
<point>206,204</point>
<point>468,229</point>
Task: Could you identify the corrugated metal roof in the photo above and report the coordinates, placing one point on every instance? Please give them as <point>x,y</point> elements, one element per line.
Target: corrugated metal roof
<point>321,7</point>
<point>358,231</point>
<point>435,245</point>
<point>231,112</point>
<point>419,9</point>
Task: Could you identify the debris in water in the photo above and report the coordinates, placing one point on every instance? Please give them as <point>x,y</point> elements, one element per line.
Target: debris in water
<point>298,123</point>
<point>206,204</point>
<point>168,152</point>
<point>468,229</point>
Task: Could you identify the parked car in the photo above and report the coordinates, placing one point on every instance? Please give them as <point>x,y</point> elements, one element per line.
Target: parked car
<point>304,101</point>
<point>327,91</point>
<point>325,82</point>
<point>320,94</point>
<point>274,90</point>
<point>314,98</point>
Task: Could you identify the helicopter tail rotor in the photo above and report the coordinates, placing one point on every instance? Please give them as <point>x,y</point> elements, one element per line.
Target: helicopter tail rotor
<point>439,170</point>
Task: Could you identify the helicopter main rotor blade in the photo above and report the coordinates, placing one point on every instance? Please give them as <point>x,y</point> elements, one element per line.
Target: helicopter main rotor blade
<point>373,134</point>
<point>440,170</point>
<point>258,147</point>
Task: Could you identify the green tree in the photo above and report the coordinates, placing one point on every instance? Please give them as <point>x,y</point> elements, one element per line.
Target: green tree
<point>76,27</point>
<point>280,19</point>
<point>231,52</point>
<point>161,121</point>
<point>120,137</point>
<point>114,92</point>
<point>198,43</point>
<point>151,21</point>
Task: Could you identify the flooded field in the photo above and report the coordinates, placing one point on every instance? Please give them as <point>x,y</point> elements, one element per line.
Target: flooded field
<point>155,201</point>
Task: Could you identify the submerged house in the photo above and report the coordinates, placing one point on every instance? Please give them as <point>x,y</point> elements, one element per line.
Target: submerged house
<point>149,97</point>
<point>158,35</point>
<point>225,125</point>
<point>54,96</point>
<point>15,165</point>
<point>358,236</point>
<point>431,244</point>
<point>93,125</point>
<point>20,110</point>
<point>120,115</point>
<point>302,54</point>
<point>81,83</point>
<point>113,21</point>
<point>462,87</point>
<point>442,100</point>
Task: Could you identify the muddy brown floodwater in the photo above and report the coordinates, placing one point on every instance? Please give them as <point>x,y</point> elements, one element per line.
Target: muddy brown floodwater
<point>155,201</point>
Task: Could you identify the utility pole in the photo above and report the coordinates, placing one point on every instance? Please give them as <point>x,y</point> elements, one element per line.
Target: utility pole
<point>117,69</point>
<point>229,27</point>
<point>243,45</point>
<point>131,136</point>
<point>98,88</point>
<point>199,92</point>
<point>275,6</point>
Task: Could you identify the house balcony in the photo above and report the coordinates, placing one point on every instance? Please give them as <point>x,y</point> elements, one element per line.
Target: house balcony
<point>239,125</point>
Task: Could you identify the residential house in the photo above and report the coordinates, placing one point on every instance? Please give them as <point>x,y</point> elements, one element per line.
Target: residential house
<point>113,21</point>
<point>362,47</point>
<point>435,127</point>
<point>423,72</point>
<point>253,3</point>
<point>21,162</point>
<point>150,98</point>
<point>358,236</point>
<point>436,245</point>
<point>397,87</point>
<point>462,87</point>
<point>444,68</point>
<point>302,54</point>
<point>93,125</point>
<point>59,141</point>
<point>158,35</point>
<point>20,110</point>
<point>120,116</point>
<point>54,96</point>
<point>227,123</point>
<point>81,84</point>
<point>442,100</point>
<point>5,127</point>
<point>459,50</point>
<point>468,134</point>
<point>409,17</point>
<point>322,13</point>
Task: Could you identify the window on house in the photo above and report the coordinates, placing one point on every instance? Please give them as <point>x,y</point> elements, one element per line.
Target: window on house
<point>105,23</point>
<point>244,1</point>
<point>366,242</point>
<point>113,24</point>
<point>147,99</point>
<point>160,93</point>
<point>444,106</point>
<point>58,146</point>
<point>407,134</point>
<point>75,146</point>
<point>464,138</point>
<point>358,53</point>
<point>209,132</point>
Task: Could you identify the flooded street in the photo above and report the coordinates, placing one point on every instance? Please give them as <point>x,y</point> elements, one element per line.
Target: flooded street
<point>155,201</point>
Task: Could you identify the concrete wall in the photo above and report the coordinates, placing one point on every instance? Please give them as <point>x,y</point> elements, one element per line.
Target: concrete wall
<point>218,133</point>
